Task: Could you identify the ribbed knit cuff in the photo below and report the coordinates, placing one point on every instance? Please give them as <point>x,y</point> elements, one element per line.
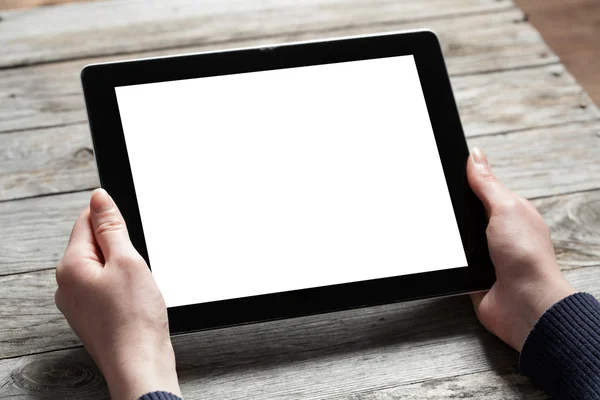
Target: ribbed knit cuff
<point>562,351</point>
<point>160,396</point>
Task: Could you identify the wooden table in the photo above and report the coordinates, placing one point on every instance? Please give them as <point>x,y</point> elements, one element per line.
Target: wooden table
<point>516,100</point>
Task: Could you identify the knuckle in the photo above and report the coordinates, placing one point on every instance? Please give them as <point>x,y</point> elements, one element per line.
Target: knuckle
<point>65,277</point>
<point>58,274</point>
<point>527,254</point>
<point>524,202</point>
<point>528,205</point>
<point>69,258</point>
<point>488,176</point>
<point>511,205</point>
<point>109,224</point>
<point>58,300</point>
<point>129,259</point>
<point>69,270</point>
<point>62,272</point>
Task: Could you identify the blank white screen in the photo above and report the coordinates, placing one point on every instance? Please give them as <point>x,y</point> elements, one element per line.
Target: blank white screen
<point>272,181</point>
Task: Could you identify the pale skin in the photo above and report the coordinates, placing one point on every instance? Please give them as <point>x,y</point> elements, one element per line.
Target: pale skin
<point>108,295</point>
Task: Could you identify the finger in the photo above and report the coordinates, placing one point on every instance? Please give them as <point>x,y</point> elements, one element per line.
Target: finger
<point>82,232</point>
<point>81,246</point>
<point>484,183</point>
<point>58,300</point>
<point>477,298</point>
<point>109,226</point>
<point>480,304</point>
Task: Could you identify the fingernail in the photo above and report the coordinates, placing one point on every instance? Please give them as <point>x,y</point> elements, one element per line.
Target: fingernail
<point>101,201</point>
<point>479,156</point>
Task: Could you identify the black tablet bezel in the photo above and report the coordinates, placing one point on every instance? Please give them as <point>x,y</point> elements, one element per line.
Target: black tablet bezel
<point>99,82</point>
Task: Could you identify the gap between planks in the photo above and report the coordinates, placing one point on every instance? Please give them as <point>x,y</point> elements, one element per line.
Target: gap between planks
<point>573,221</point>
<point>61,159</point>
<point>546,163</point>
<point>49,95</point>
<point>341,353</point>
<point>118,27</point>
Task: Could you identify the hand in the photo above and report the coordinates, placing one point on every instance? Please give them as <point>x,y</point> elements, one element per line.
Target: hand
<point>108,295</point>
<point>528,278</point>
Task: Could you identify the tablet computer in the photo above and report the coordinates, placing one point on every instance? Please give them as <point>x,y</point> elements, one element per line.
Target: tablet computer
<point>289,180</point>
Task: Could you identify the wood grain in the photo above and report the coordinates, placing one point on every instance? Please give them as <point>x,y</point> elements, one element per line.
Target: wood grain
<point>50,95</point>
<point>574,221</point>
<point>35,231</point>
<point>538,127</point>
<point>515,100</point>
<point>546,161</point>
<point>30,318</point>
<point>540,162</point>
<point>85,379</point>
<point>59,375</point>
<point>117,27</point>
<point>46,161</point>
<point>320,356</point>
<point>490,385</point>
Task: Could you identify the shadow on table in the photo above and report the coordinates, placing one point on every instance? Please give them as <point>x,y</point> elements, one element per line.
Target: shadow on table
<point>406,334</point>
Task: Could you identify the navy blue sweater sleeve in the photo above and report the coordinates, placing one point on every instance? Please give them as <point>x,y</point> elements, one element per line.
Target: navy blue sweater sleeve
<point>562,352</point>
<point>160,396</point>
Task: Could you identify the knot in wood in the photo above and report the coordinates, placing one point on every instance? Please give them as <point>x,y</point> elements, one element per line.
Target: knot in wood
<point>58,376</point>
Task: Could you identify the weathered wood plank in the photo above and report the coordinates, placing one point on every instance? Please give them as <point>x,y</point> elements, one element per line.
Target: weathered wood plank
<point>30,320</point>
<point>490,385</point>
<point>46,161</point>
<point>514,100</point>
<point>119,26</point>
<point>574,222</point>
<point>59,159</point>
<point>336,354</point>
<point>50,95</point>
<point>76,364</point>
<point>540,162</point>
<point>351,355</point>
<point>34,232</point>
<point>546,161</point>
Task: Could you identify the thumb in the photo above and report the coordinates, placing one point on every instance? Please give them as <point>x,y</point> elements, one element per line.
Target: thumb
<point>484,183</point>
<point>109,226</point>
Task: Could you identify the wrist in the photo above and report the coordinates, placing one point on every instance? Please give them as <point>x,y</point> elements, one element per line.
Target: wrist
<point>141,370</point>
<point>551,293</point>
<point>541,298</point>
